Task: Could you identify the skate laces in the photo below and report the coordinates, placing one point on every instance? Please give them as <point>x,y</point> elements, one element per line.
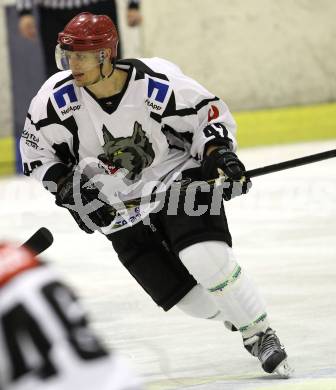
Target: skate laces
<point>269,344</point>
<point>263,345</point>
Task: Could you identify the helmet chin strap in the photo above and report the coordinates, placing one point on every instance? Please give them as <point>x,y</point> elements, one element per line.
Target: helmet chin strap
<point>101,75</point>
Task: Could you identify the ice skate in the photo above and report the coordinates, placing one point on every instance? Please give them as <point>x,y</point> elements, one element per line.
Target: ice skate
<point>272,355</point>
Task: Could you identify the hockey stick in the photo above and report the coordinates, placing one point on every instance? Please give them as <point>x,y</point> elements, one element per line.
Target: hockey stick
<point>39,241</point>
<point>291,163</point>
<point>188,183</point>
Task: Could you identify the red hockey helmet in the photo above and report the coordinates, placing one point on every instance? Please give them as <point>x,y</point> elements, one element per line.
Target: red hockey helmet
<point>87,31</point>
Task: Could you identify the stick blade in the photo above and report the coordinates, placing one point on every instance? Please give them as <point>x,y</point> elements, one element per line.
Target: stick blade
<point>39,241</point>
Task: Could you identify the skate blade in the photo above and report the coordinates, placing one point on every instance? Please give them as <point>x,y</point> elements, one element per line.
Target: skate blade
<point>284,370</point>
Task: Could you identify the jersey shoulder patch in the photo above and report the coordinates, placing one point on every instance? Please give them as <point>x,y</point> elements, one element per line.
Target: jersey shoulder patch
<point>158,93</point>
<point>156,84</point>
<point>65,98</point>
<point>59,91</point>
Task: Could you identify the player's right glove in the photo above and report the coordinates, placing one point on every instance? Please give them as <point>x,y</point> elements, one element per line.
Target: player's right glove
<point>222,159</point>
<point>83,202</point>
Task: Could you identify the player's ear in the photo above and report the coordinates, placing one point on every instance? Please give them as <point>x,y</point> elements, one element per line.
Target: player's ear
<point>108,53</point>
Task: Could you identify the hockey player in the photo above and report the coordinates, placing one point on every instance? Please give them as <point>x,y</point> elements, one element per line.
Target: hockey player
<point>104,131</point>
<point>45,339</point>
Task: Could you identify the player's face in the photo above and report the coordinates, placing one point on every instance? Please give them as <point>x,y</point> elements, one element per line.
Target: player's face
<point>84,66</point>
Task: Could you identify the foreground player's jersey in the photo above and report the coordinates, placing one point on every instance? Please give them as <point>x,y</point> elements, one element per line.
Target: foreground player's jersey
<point>45,340</point>
<point>156,126</point>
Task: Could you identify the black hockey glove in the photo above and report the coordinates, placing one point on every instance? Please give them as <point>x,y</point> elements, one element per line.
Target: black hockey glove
<point>83,202</point>
<point>228,162</point>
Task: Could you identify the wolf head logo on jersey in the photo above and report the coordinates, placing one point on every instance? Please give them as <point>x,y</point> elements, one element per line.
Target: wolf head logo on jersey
<point>133,153</point>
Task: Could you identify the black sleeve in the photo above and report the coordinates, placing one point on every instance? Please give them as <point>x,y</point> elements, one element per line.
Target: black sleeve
<point>53,175</point>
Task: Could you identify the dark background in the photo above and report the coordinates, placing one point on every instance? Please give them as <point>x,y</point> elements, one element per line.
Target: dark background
<point>27,73</point>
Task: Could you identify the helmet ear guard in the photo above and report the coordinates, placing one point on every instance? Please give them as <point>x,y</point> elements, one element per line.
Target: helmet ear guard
<point>101,56</point>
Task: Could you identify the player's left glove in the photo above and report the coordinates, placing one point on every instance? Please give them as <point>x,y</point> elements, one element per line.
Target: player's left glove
<point>227,162</point>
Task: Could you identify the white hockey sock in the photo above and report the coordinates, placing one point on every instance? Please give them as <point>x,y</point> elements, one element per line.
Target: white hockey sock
<point>214,266</point>
<point>199,303</point>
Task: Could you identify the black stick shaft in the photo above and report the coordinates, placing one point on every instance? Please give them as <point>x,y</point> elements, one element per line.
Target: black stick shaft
<point>291,163</point>
<point>39,241</point>
<point>251,173</point>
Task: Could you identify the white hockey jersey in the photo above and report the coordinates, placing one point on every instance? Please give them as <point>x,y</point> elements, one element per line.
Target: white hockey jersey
<point>45,340</point>
<point>156,127</point>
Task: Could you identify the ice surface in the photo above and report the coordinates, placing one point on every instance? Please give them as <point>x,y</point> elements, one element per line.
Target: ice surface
<point>284,235</point>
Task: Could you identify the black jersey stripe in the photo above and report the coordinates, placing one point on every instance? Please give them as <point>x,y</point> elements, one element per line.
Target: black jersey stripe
<point>59,83</point>
<point>185,136</point>
<point>142,69</point>
<point>69,123</point>
<point>171,109</point>
<point>39,124</point>
<point>205,102</point>
<point>156,117</point>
